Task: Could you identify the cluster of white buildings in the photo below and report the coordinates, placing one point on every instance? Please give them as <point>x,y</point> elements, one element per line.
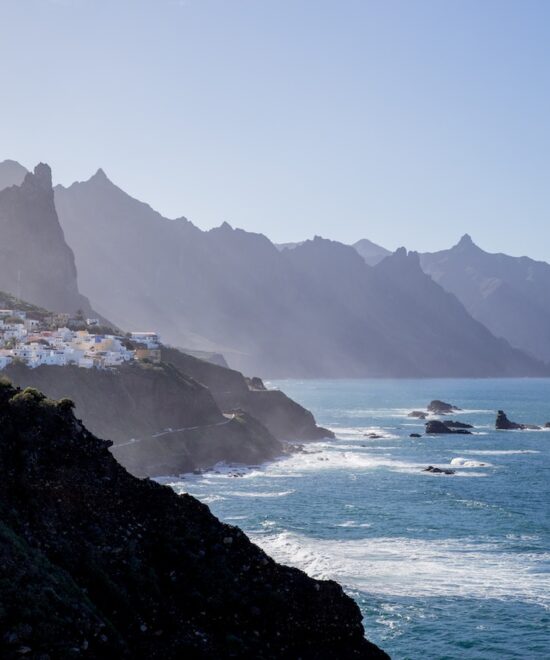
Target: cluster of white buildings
<point>36,343</point>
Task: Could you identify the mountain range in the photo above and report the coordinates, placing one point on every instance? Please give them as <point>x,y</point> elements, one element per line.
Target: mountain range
<point>509,295</point>
<point>312,309</point>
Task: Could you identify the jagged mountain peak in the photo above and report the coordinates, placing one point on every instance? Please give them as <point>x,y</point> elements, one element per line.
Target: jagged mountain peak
<point>100,175</point>
<point>466,243</point>
<point>41,176</point>
<point>401,263</point>
<point>100,178</point>
<point>35,261</point>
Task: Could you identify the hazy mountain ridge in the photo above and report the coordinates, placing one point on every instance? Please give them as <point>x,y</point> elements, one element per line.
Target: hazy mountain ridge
<point>315,310</point>
<point>371,252</point>
<point>11,174</point>
<point>509,295</point>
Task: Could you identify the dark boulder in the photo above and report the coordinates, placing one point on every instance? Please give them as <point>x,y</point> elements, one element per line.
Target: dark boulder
<point>504,424</point>
<point>436,427</point>
<point>419,414</point>
<point>458,425</point>
<point>415,435</point>
<point>436,470</point>
<point>438,407</point>
<point>256,383</point>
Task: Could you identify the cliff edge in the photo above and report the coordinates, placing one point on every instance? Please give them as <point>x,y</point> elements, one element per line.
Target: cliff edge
<point>96,563</point>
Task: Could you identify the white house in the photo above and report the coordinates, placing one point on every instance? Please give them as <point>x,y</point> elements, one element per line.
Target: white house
<point>150,339</point>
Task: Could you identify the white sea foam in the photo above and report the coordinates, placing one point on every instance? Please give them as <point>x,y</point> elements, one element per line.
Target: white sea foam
<point>362,432</point>
<point>419,568</point>
<point>460,461</point>
<point>332,460</point>
<point>352,523</point>
<point>246,493</point>
<point>210,499</point>
<point>499,452</point>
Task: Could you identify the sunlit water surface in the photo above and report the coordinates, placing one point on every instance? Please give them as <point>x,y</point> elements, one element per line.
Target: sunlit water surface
<point>441,566</point>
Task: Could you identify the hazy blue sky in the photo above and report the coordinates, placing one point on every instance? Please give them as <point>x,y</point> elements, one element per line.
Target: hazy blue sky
<point>405,122</point>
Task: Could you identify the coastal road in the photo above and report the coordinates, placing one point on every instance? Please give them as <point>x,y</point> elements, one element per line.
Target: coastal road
<point>229,418</point>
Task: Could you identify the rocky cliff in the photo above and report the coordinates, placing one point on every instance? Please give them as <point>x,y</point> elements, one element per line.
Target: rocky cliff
<point>36,263</point>
<point>283,417</point>
<point>161,421</point>
<point>95,563</point>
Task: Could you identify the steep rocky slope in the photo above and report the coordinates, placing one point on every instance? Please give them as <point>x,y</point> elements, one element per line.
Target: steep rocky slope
<point>36,263</point>
<point>459,344</point>
<point>401,323</point>
<point>161,421</point>
<point>95,563</point>
<point>283,417</point>
<point>507,294</point>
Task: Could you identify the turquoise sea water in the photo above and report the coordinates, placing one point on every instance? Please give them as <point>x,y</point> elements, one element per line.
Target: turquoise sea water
<point>441,566</point>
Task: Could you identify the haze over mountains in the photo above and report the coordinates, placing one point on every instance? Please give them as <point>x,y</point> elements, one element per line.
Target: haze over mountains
<point>312,309</point>
<point>371,252</point>
<point>36,264</point>
<point>510,295</point>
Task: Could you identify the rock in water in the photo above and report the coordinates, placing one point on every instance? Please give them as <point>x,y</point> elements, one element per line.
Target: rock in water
<point>96,562</point>
<point>458,425</point>
<point>436,427</point>
<point>436,470</point>
<point>438,407</point>
<point>419,414</point>
<point>504,424</point>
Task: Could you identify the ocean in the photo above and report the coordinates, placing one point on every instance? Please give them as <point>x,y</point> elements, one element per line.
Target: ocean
<point>441,566</point>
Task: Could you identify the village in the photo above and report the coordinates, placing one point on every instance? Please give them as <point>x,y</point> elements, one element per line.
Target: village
<point>59,340</point>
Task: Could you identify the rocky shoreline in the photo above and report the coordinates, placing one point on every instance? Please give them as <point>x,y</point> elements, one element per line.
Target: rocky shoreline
<point>98,564</point>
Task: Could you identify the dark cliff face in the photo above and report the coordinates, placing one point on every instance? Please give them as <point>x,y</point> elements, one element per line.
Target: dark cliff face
<point>133,401</point>
<point>161,421</point>
<point>507,294</point>
<point>36,264</point>
<point>283,417</point>
<point>96,563</point>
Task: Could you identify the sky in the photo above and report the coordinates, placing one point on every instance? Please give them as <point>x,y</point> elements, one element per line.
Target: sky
<point>407,122</point>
